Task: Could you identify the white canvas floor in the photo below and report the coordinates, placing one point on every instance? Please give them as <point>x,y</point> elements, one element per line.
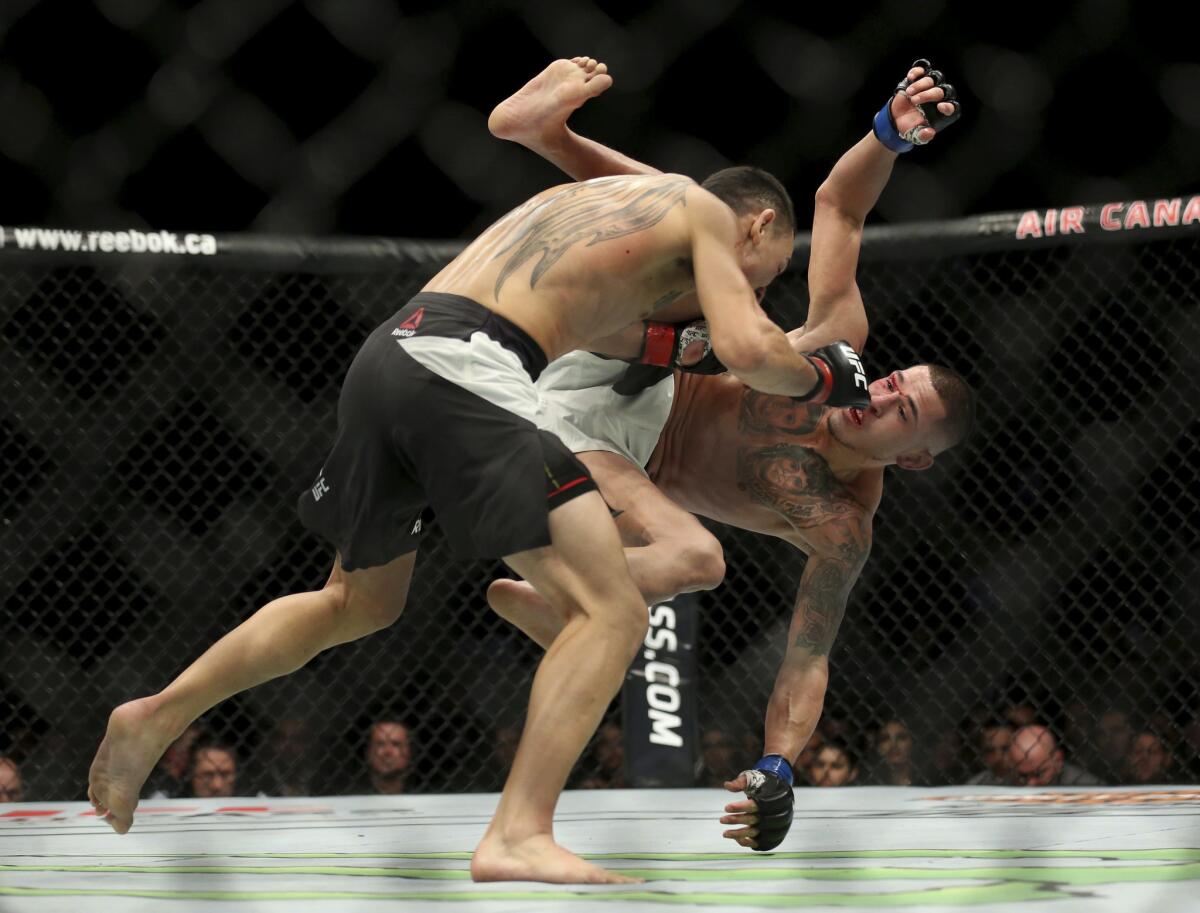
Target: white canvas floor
<point>850,849</point>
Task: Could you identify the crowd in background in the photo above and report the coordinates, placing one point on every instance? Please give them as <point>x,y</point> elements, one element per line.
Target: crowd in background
<point>1012,746</point>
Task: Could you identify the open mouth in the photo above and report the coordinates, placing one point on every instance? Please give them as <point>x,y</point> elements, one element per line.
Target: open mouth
<point>856,416</point>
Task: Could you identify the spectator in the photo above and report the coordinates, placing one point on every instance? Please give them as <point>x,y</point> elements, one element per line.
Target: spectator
<point>170,778</point>
<point>1149,760</point>
<point>1166,727</point>
<point>835,727</point>
<point>1189,747</point>
<point>749,748</point>
<point>1077,721</point>
<point>1020,713</point>
<point>284,766</point>
<point>505,740</point>
<point>504,746</point>
<point>1035,759</point>
<point>12,787</point>
<point>894,755</point>
<point>388,760</point>
<point>607,759</point>
<point>808,754</point>
<point>946,761</point>
<point>213,770</point>
<point>718,758</point>
<point>994,740</point>
<point>1112,736</point>
<point>833,765</point>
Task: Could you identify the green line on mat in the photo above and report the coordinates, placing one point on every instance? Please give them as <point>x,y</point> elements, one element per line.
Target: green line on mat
<point>961,896</point>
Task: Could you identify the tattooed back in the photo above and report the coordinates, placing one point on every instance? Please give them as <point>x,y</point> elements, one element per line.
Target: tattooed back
<point>580,261</point>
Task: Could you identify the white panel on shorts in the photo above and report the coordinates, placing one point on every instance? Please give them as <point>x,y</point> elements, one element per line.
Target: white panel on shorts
<point>480,365</point>
<point>578,404</point>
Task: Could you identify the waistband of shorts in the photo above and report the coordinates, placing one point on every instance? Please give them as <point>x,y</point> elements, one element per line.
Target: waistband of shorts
<point>499,328</point>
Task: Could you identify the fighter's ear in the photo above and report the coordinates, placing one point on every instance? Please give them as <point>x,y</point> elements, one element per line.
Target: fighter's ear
<point>922,459</point>
<point>759,226</point>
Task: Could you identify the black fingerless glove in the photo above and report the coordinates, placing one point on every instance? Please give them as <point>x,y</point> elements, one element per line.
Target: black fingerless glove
<point>769,784</point>
<point>841,378</point>
<point>885,123</point>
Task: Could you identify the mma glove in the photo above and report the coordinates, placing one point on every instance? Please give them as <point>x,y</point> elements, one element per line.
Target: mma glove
<point>663,345</point>
<point>885,127</point>
<point>841,378</point>
<point>769,784</point>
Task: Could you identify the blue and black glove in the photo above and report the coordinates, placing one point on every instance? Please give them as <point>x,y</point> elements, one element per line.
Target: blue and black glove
<point>885,122</point>
<point>769,784</point>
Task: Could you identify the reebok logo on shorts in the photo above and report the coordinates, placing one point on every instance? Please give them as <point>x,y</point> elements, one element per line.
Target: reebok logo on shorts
<point>409,327</point>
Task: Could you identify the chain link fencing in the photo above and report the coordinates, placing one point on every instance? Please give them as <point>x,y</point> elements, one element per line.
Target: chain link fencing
<point>301,116</point>
<point>162,413</point>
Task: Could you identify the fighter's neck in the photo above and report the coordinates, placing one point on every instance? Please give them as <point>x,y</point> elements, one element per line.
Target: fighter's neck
<point>844,462</point>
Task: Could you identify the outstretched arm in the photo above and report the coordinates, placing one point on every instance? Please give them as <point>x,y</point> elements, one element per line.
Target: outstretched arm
<point>835,309</point>
<point>536,117</point>
<point>799,694</point>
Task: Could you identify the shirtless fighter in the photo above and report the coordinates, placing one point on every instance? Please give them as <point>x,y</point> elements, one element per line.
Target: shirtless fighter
<point>439,410</point>
<point>809,475</point>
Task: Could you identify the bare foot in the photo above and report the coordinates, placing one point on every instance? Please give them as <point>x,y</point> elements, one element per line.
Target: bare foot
<point>132,746</point>
<point>541,108</point>
<point>518,603</point>
<point>537,858</point>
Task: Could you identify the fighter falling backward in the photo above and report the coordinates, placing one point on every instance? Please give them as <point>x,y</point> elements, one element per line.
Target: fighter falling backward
<point>809,475</point>
<point>438,409</point>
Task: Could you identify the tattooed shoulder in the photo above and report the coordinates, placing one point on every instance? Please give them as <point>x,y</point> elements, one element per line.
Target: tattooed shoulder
<point>767,413</point>
<point>588,214</point>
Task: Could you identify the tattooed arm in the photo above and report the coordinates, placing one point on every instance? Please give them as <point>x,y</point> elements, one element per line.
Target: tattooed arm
<point>830,524</point>
<point>799,694</point>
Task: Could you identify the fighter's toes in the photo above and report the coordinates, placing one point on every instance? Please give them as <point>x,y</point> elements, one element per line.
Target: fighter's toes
<point>118,824</point>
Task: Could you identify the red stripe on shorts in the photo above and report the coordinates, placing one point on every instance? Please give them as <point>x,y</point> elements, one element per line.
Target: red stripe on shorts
<point>563,488</point>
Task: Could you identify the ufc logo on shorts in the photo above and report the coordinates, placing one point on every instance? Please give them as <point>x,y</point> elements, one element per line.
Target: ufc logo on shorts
<point>860,374</point>
<point>321,488</point>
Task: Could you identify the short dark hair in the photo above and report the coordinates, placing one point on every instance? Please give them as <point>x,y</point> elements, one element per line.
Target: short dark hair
<point>959,401</point>
<point>746,189</point>
<point>837,745</point>
<point>209,743</point>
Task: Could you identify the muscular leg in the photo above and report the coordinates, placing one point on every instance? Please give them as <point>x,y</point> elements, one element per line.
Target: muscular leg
<point>670,553</point>
<point>583,574</point>
<point>277,639</point>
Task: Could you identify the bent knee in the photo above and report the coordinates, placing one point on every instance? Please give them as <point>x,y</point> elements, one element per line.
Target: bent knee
<point>364,612</point>
<point>702,564</point>
<point>632,621</point>
<point>624,618</point>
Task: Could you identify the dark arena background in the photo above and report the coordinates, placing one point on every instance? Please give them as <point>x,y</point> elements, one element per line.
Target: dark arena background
<point>208,204</point>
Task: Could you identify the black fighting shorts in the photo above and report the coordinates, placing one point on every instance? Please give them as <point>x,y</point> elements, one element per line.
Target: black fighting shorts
<point>436,412</point>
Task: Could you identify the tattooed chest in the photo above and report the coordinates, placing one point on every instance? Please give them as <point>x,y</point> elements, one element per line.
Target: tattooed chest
<point>765,413</point>
<point>793,482</point>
